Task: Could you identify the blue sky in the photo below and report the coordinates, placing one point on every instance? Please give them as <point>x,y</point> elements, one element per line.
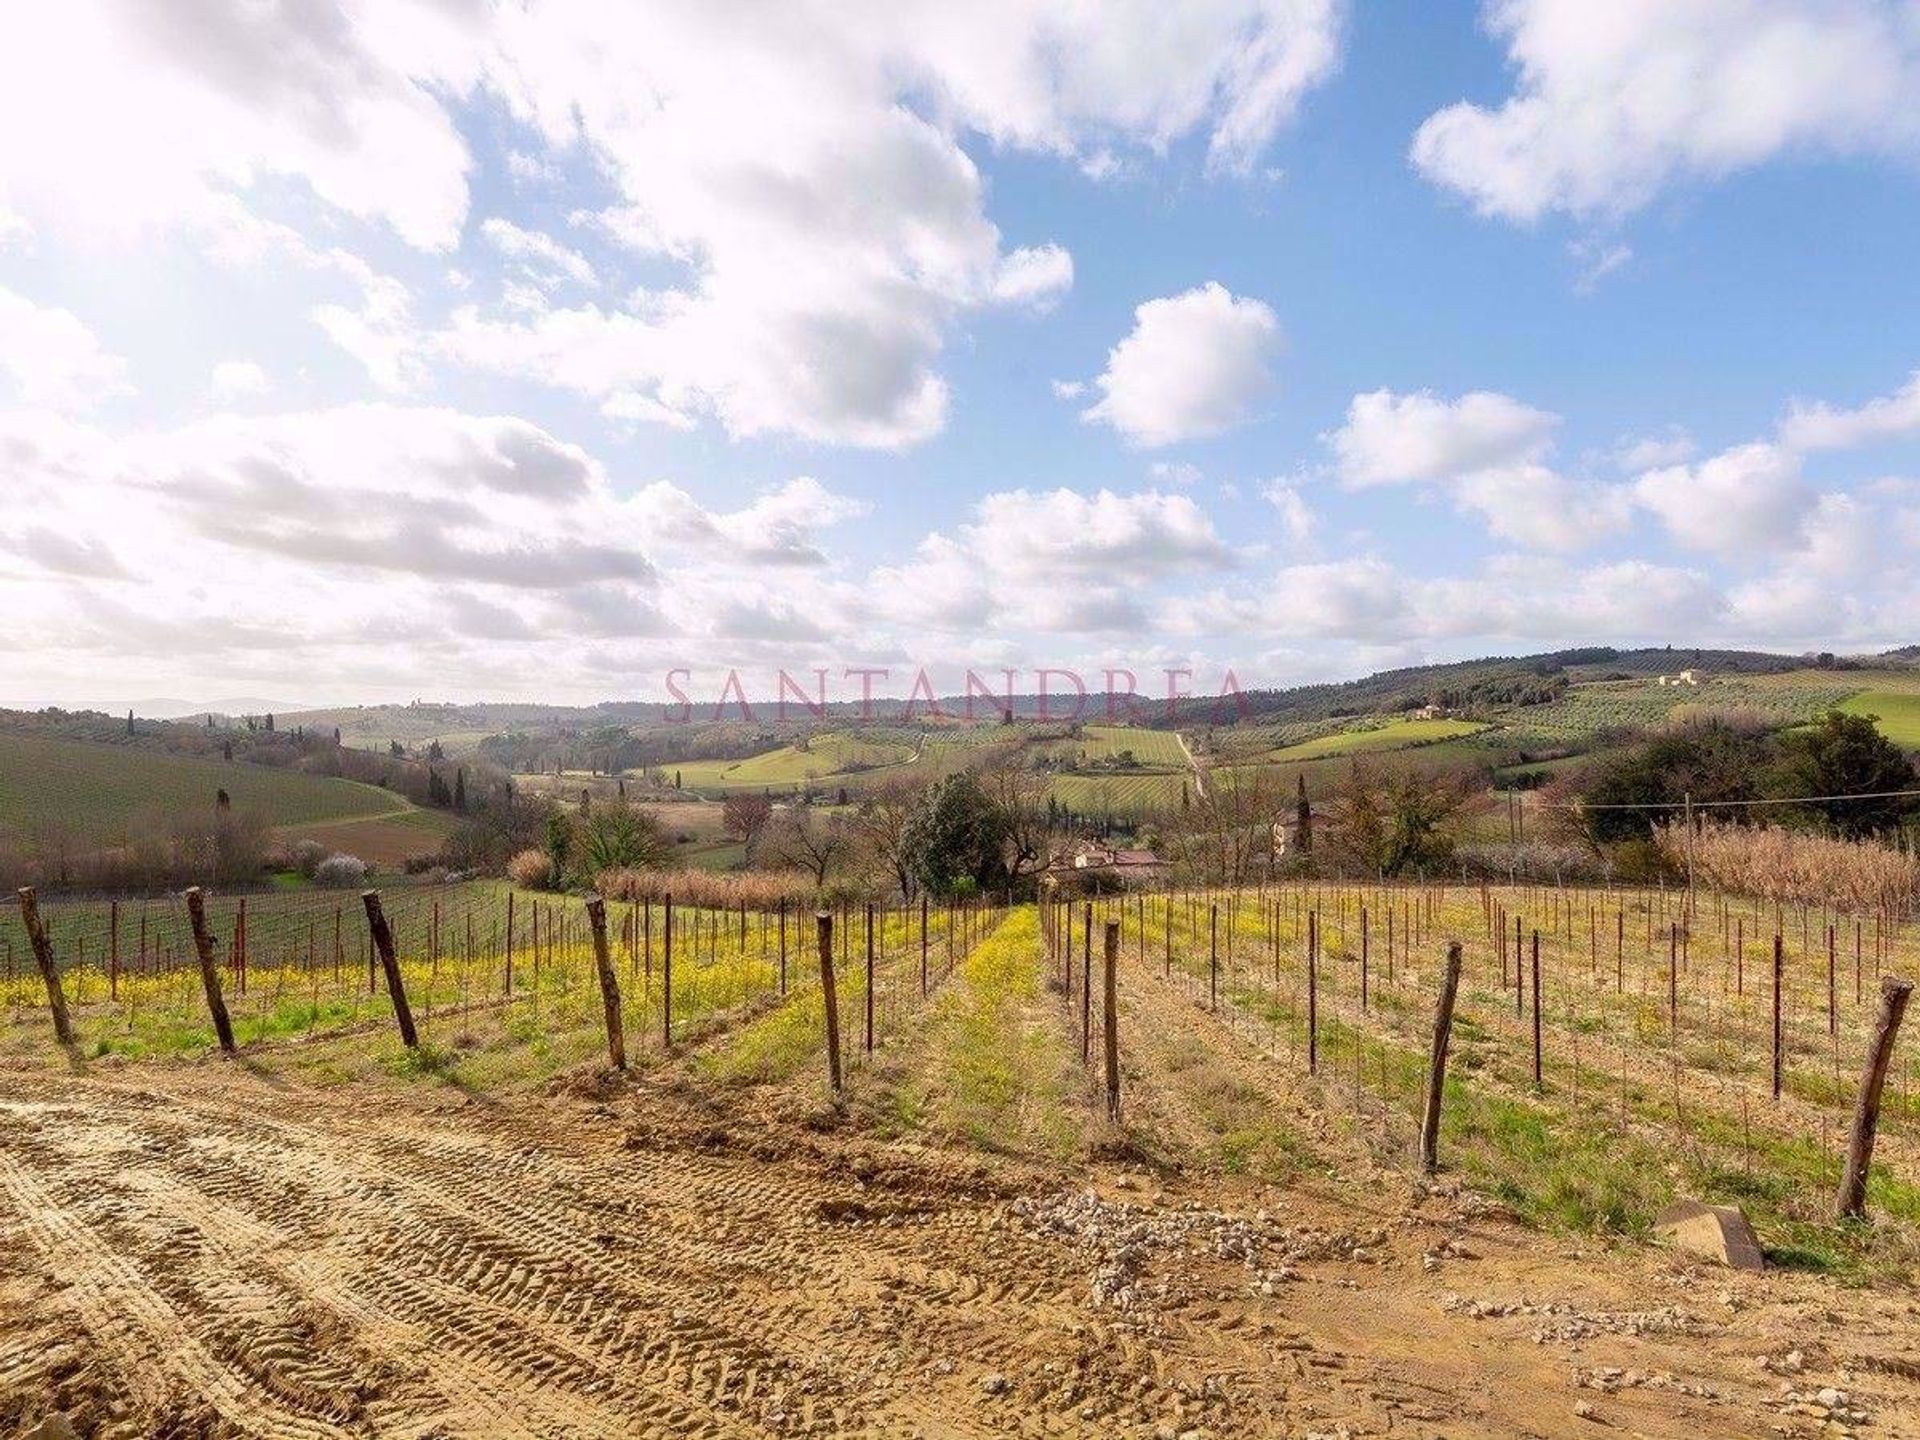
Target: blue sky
<point>468,349</point>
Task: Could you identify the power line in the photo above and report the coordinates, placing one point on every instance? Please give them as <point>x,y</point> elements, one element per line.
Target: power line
<point>1739,804</point>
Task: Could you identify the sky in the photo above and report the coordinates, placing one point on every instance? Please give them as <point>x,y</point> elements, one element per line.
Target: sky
<point>372,350</point>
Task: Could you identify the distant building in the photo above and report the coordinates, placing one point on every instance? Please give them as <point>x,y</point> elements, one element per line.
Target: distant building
<point>1091,858</point>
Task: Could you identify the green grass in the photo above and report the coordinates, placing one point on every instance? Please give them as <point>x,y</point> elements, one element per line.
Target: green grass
<point>1120,793</point>
<point>1160,748</point>
<point>99,791</point>
<point>826,759</point>
<point>1898,713</point>
<point>1394,735</point>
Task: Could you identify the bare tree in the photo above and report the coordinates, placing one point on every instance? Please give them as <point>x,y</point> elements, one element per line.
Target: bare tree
<point>883,825</point>
<point>1225,834</point>
<point>1020,795</point>
<point>804,839</point>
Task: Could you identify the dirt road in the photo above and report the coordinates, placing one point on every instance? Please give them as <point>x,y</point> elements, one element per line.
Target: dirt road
<point>213,1249</point>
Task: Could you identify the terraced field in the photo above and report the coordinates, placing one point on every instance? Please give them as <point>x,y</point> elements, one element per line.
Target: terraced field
<point>1121,794</point>
<point>96,791</point>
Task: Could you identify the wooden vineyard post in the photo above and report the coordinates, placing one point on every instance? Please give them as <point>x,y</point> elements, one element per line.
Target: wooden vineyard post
<point>1536,1010</point>
<point>209,968</point>
<point>666,973</point>
<point>1437,1061</point>
<point>1363,959</point>
<point>1313,992</point>
<point>1852,1201</point>
<point>508,988</point>
<point>869,1031</point>
<point>1779,967</point>
<point>49,971</point>
<point>113,945</point>
<point>830,998</point>
<point>1086,985</point>
<point>609,983</point>
<point>923,944</point>
<point>1213,957</point>
<point>1833,1011</point>
<point>390,963</point>
<point>1111,1018</point>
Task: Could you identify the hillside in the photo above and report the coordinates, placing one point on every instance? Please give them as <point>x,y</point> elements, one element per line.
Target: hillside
<point>96,792</point>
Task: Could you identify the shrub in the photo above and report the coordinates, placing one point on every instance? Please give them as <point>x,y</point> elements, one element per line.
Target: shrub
<point>531,870</point>
<point>304,856</point>
<point>340,872</point>
<point>757,890</point>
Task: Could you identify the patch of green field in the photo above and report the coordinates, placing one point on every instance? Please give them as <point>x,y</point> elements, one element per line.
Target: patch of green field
<point>821,760</point>
<point>1394,735</point>
<point>1148,747</point>
<point>1121,793</point>
<point>1897,713</point>
<point>97,791</point>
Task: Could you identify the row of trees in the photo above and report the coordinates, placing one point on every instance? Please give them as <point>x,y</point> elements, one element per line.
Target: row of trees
<point>1742,770</point>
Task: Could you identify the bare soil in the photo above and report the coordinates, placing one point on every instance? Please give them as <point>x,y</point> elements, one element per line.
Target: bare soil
<point>213,1249</point>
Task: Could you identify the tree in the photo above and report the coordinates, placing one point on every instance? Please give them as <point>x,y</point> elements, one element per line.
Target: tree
<point>619,837</point>
<point>1623,796</point>
<point>1226,833</point>
<point>956,836</point>
<point>1844,755</point>
<point>744,815</point>
<point>269,722</point>
<point>884,825</point>
<point>1387,822</point>
<point>802,838</point>
<point>1024,802</point>
<point>1303,815</point>
<point>129,722</point>
<point>460,789</point>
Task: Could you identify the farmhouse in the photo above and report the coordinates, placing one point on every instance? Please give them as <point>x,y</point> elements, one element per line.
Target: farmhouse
<point>1090,858</point>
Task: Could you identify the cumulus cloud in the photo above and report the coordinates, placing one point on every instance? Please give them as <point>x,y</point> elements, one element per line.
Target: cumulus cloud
<point>1486,451</point>
<point>146,118</point>
<point>1614,102</point>
<point>1749,498</point>
<point>53,359</point>
<point>1194,365</point>
<point>1391,439</point>
<point>1819,426</point>
<point>1035,277</point>
<point>234,380</point>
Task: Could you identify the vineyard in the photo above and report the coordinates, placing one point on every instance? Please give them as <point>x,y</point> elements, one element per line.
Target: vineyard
<point>1611,1051</point>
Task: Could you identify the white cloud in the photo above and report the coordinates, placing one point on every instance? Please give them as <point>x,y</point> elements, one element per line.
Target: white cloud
<point>1613,102</point>
<point>1195,364</point>
<point>1036,277</point>
<point>1635,453</point>
<point>1175,472</point>
<point>1750,498</point>
<point>233,380</point>
<point>1391,439</point>
<point>778,528</point>
<point>1825,427</point>
<point>53,359</point>
<point>1048,535</point>
<point>1487,452</point>
<point>536,253</point>
<point>1068,389</point>
<point>1297,520</point>
<point>147,117</point>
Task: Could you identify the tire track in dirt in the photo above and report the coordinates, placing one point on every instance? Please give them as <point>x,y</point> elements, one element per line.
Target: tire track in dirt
<point>460,1273</point>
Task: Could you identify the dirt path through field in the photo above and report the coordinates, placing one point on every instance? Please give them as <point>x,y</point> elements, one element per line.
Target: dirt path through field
<point>215,1249</point>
